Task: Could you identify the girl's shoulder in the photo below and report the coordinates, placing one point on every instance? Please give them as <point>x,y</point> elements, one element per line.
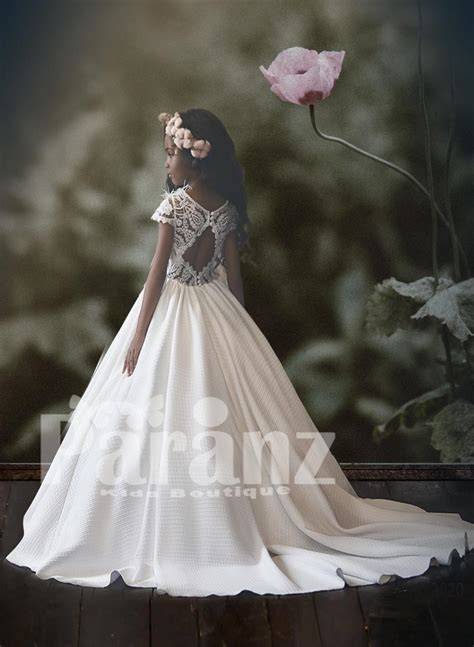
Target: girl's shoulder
<point>181,195</point>
<point>179,200</point>
<point>168,202</point>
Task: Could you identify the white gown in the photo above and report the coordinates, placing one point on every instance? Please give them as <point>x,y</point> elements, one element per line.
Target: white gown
<point>205,366</point>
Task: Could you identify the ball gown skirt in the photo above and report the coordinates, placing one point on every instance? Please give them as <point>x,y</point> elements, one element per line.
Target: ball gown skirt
<point>205,366</point>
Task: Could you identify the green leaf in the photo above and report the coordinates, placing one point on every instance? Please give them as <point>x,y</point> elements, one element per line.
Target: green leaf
<point>453,432</point>
<point>394,304</point>
<point>415,411</point>
<point>452,306</point>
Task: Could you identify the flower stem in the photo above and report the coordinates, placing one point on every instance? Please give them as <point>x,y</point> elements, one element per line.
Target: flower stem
<point>429,167</point>
<point>400,170</point>
<point>449,148</point>
<point>449,361</point>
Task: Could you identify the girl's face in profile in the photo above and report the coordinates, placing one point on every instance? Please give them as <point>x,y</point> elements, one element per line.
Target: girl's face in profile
<point>174,162</point>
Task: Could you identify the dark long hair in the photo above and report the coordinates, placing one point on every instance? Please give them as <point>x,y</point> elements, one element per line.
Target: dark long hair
<point>220,170</point>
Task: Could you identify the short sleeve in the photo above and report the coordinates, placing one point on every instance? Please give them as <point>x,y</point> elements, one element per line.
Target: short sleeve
<point>165,211</point>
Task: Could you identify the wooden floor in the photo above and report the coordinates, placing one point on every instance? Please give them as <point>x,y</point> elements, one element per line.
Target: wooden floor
<point>435,609</point>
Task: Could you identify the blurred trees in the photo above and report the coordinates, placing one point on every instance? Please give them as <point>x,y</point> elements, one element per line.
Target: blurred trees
<point>85,171</point>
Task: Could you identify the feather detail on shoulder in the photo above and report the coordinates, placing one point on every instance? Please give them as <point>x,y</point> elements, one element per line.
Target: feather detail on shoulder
<point>165,210</point>
<point>171,192</point>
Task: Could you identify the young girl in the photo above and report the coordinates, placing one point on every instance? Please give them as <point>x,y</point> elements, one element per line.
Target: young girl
<point>190,464</point>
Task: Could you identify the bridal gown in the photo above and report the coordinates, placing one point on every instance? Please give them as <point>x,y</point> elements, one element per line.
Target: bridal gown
<point>167,477</point>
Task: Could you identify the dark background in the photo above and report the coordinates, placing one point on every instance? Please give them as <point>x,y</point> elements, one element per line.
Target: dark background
<point>83,169</point>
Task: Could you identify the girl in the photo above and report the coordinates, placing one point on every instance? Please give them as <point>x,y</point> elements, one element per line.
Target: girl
<point>166,477</point>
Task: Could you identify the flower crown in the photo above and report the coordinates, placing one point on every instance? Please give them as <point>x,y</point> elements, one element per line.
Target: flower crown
<point>183,137</point>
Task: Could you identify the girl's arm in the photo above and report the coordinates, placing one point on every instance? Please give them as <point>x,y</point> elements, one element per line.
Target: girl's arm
<point>232,264</point>
<point>156,278</point>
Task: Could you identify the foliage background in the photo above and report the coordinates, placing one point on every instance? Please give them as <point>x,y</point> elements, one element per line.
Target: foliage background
<point>83,169</point>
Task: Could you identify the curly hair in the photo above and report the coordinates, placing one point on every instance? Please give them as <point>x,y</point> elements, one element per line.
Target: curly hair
<point>220,170</point>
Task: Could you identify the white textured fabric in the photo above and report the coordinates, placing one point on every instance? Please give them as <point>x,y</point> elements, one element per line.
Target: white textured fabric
<point>205,365</point>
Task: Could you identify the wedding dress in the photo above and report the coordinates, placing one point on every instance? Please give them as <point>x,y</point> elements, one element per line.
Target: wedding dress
<point>179,515</point>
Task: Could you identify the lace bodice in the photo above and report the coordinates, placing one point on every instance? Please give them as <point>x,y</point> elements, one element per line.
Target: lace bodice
<point>199,235</point>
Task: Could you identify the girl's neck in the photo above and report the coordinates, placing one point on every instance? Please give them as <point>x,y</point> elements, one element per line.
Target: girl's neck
<point>196,185</point>
<point>203,194</point>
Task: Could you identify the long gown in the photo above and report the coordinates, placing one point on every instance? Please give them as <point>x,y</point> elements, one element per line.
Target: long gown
<point>202,472</point>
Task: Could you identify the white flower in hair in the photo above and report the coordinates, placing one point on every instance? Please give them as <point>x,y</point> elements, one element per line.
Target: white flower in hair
<point>173,124</point>
<point>201,148</point>
<point>183,137</point>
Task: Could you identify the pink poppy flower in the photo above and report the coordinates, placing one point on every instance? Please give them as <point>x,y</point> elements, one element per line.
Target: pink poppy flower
<point>303,76</point>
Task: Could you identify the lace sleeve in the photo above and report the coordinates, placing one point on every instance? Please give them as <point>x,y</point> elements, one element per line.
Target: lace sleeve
<point>165,211</point>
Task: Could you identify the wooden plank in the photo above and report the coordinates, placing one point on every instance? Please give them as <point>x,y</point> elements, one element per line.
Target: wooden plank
<point>116,615</point>
<point>4,494</point>
<point>34,611</point>
<point>408,471</point>
<point>174,620</point>
<point>461,498</point>
<point>340,618</point>
<point>372,489</point>
<point>233,621</point>
<point>60,614</point>
<point>293,621</point>
<point>432,609</point>
<point>20,497</point>
<point>408,611</point>
<point>452,602</point>
<point>21,592</point>
<point>20,471</point>
<point>429,495</point>
<point>353,471</point>
<point>398,613</point>
<point>21,599</point>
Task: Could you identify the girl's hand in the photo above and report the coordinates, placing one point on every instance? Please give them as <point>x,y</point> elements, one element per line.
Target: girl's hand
<point>132,354</point>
